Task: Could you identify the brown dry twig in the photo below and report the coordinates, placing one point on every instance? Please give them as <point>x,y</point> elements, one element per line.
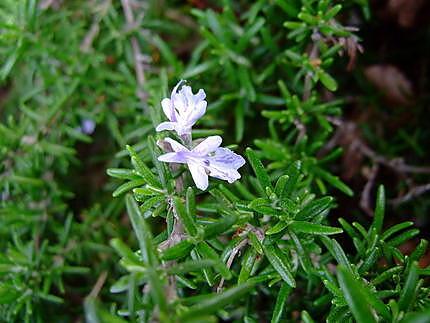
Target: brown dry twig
<point>99,285</point>
<point>137,54</point>
<point>90,36</point>
<point>94,30</point>
<point>259,233</point>
<point>365,199</point>
<point>230,259</point>
<point>54,4</point>
<point>405,11</point>
<point>313,55</point>
<point>393,84</point>
<point>411,194</point>
<point>178,232</point>
<point>398,165</point>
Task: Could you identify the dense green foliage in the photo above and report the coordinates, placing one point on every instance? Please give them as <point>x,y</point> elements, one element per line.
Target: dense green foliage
<point>94,227</point>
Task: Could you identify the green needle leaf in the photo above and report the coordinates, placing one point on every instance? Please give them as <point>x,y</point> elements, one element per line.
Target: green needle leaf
<point>313,228</point>
<point>179,250</point>
<point>217,301</point>
<point>122,173</point>
<point>278,227</point>
<point>328,81</point>
<point>207,252</point>
<point>336,251</point>
<point>408,292</point>
<point>355,296</point>
<point>142,231</point>
<point>187,219</point>
<point>124,188</point>
<point>378,219</point>
<point>280,262</point>
<point>142,169</point>
<point>258,168</point>
<point>281,300</point>
<point>315,208</point>
<point>149,257</point>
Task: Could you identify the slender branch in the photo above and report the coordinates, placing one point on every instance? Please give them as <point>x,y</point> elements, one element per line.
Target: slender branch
<point>137,54</point>
<point>396,164</point>
<point>313,54</point>
<point>307,88</point>
<point>230,259</point>
<point>259,233</point>
<point>178,233</point>
<point>302,129</point>
<point>411,194</point>
<point>101,11</point>
<point>365,198</point>
<point>90,36</point>
<point>45,4</point>
<point>99,285</point>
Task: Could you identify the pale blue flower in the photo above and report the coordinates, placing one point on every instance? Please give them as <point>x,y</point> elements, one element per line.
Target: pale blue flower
<point>183,109</point>
<point>87,126</point>
<point>207,158</point>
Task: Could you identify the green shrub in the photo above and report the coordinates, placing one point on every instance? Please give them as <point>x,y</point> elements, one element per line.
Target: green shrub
<point>81,89</point>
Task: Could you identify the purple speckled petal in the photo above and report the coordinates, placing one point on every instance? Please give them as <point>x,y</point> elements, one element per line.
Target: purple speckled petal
<point>224,157</point>
<point>224,165</point>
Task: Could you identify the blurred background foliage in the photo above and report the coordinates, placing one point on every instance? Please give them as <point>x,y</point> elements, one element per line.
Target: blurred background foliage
<point>340,86</point>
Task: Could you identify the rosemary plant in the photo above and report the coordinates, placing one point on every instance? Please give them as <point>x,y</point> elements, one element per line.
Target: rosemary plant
<point>127,195</point>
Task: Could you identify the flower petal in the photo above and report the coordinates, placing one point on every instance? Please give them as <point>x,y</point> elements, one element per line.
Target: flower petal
<point>182,129</point>
<point>208,145</point>
<point>187,93</point>
<point>200,96</point>
<point>175,89</point>
<point>224,157</point>
<point>167,125</point>
<point>229,175</point>
<point>199,175</point>
<point>172,158</point>
<point>224,165</point>
<point>168,109</point>
<point>179,102</point>
<point>176,146</point>
<point>183,108</point>
<point>196,112</point>
<point>88,126</point>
